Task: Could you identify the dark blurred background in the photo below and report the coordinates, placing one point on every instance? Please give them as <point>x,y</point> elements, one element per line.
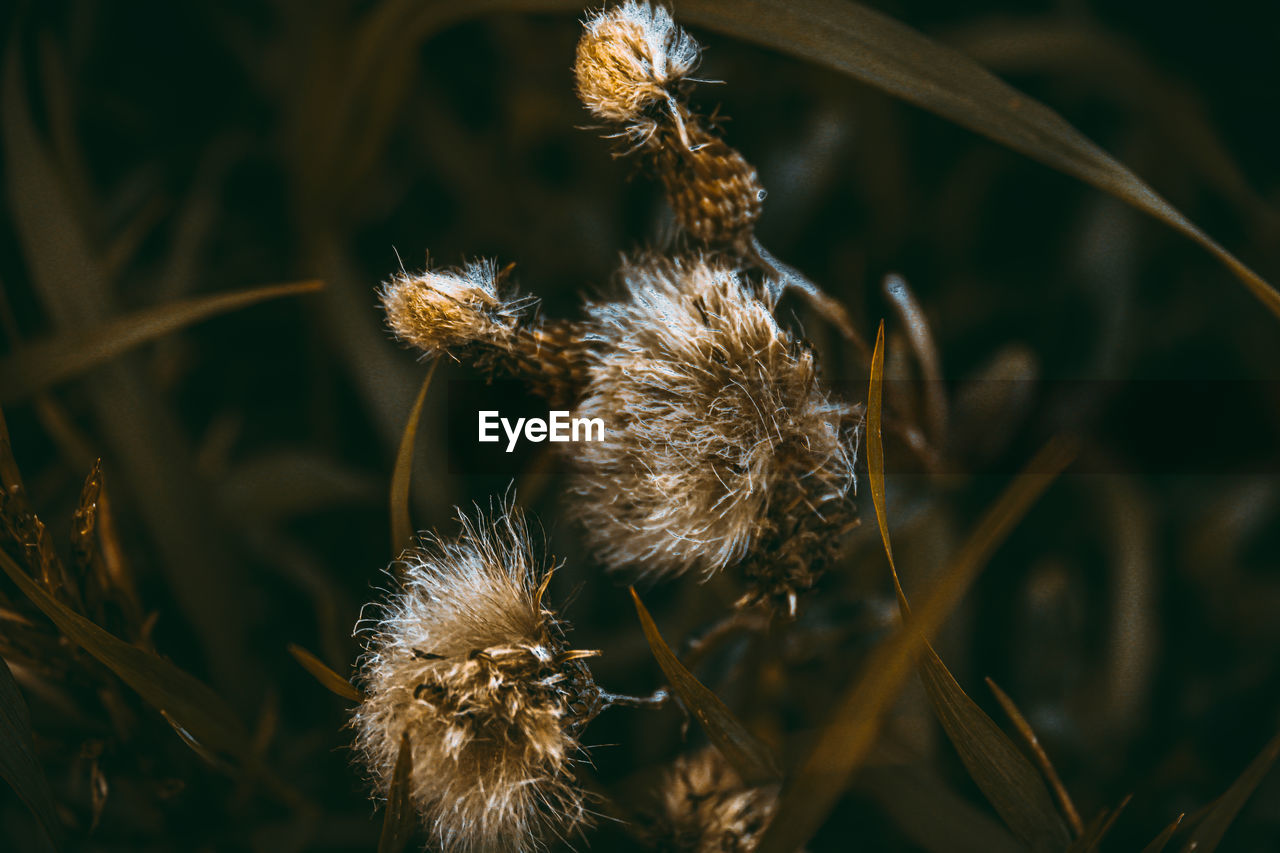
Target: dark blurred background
<point>158,151</point>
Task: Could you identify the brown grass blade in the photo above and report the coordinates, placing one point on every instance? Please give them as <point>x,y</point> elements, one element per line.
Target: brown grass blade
<point>18,763</point>
<point>399,822</point>
<point>183,698</point>
<point>1042,758</point>
<point>1162,840</point>
<point>884,53</point>
<point>1006,778</point>
<point>328,679</point>
<point>401,520</point>
<point>322,673</point>
<point>845,741</point>
<point>752,759</point>
<point>1207,834</point>
<point>1097,829</point>
<point>36,366</point>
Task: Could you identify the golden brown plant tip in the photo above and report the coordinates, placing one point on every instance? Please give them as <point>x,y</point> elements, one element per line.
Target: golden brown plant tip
<point>704,807</point>
<point>630,58</point>
<point>465,659</point>
<point>721,448</point>
<point>464,314</point>
<point>438,311</point>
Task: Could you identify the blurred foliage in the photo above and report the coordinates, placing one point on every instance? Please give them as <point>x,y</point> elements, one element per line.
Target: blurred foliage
<point>155,154</point>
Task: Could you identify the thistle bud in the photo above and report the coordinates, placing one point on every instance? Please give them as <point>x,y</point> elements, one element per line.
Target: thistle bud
<point>630,59</point>
<point>463,314</point>
<point>705,807</point>
<point>439,311</point>
<point>468,662</point>
<point>721,448</point>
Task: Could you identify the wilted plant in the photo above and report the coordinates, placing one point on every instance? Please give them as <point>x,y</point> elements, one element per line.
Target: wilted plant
<point>705,807</point>
<point>727,456</point>
<point>721,448</point>
<point>467,663</point>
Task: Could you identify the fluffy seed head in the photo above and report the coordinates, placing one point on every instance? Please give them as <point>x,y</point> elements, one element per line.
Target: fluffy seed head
<point>440,310</point>
<point>466,661</point>
<point>705,808</point>
<point>630,57</point>
<point>720,445</point>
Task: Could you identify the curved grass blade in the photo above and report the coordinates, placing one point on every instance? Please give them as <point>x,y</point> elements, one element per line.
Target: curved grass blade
<point>1000,770</point>
<point>1207,834</point>
<point>401,521</point>
<point>39,365</point>
<point>328,679</point>
<point>181,697</point>
<point>875,455</point>
<point>1161,841</point>
<point>1042,758</point>
<point>18,764</point>
<point>845,741</point>
<point>399,823</point>
<point>1006,778</point>
<point>752,759</point>
<point>884,53</point>
<point>1091,836</point>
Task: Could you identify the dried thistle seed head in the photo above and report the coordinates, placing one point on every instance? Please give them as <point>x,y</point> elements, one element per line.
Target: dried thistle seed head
<point>465,659</point>
<point>720,445</point>
<point>630,58</point>
<point>705,807</point>
<point>441,310</point>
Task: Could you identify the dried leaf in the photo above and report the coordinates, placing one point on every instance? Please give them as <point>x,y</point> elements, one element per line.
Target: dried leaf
<point>1042,758</point>
<point>38,365</point>
<point>183,698</point>
<point>884,53</point>
<point>1207,834</point>
<point>327,677</point>
<point>1161,841</point>
<point>1097,829</point>
<point>845,741</point>
<point>401,521</point>
<point>1004,775</point>
<point>751,758</point>
<point>18,763</point>
<point>399,823</point>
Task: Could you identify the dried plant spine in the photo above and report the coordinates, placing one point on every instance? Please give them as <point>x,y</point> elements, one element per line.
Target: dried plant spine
<point>705,807</point>
<point>632,72</point>
<point>721,447</point>
<point>463,313</point>
<point>468,662</point>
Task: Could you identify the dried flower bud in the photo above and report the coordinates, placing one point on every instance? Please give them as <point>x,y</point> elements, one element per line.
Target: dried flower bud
<point>720,448</point>
<point>438,311</point>
<point>630,58</point>
<point>467,661</point>
<point>706,808</point>
<point>463,314</point>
